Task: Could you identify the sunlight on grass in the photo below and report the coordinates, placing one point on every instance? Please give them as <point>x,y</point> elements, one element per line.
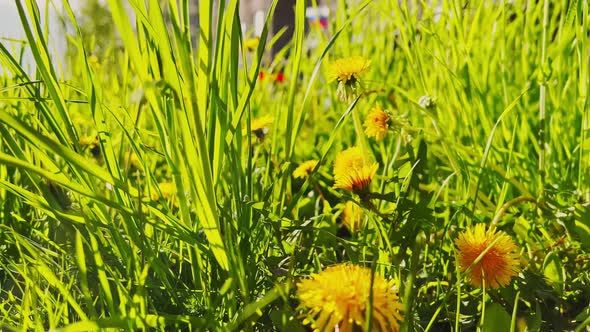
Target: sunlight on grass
<point>396,166</point>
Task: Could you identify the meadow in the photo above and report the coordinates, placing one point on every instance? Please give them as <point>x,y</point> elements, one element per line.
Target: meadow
<point>405,167</point>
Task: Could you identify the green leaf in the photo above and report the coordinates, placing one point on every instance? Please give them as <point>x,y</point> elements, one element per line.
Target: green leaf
<point>582,224</point>
<point>283,320</point>
<point>583,315</point>
<point>534,321</point>
<point>496,319</point>
<point>553,271</point>
<point>85,325</point>
<point>257,306</point>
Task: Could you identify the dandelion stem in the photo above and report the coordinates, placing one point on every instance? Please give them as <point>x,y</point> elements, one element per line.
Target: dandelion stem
<point>514,312</point>
<point>502,211</point>
<point>483,302</point>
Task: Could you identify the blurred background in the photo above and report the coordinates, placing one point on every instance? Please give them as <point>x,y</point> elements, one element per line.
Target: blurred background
<point>95,20</point>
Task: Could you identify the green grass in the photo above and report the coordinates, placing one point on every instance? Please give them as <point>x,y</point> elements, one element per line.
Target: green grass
<point>89,240</point>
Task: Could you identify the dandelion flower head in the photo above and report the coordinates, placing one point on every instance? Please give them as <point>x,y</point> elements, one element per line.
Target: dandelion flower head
<point>347,72</point>
<point>88,141</point>
<point>259,126</point>
<point>352,171</point>
<point>358,180</point>
<point>377,123</point>
<point>349,159</point>
<point>303,170</point>
<point>339,296</point>
<point>132,159</point>
<point>167,191</point>
<point>251,44</point>
<point>94,62</point>
<point>498,265</point>
<point>91,143</point>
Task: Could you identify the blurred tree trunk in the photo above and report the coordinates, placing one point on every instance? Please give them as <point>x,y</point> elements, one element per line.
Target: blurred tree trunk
<point>284,17</point>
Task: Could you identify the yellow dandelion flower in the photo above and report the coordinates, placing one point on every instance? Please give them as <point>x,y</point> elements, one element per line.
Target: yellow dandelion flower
<point>259,126</point>
<point>261,123</point>
<point>347,72</point>
<point>133,161</point>
<point>88,141</point>
<point>377,123</point>
<point>92,144</point>
<point>167,191</point>
<point>338,297</point>
<point>358,179</point>
<point>351,171</point>
<point>251,44</point>
<point>94,62</point>
<point>305,169</point>
<point>497,266</point>
<point>353,216</point>
<point>347,160</point>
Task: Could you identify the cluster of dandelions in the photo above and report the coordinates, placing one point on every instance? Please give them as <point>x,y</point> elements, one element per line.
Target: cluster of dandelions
<point>347,73</point>
<point>337,298</point>
<point>352,170</point>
